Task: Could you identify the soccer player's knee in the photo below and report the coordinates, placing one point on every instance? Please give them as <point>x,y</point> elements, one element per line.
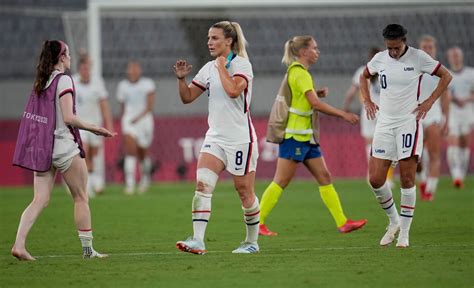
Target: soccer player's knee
<point>242,188</point>
<point>376,182</point>
<point>41,201</point>
<point>407,179</point>
<point>325,178</point>
<point>206,180</point>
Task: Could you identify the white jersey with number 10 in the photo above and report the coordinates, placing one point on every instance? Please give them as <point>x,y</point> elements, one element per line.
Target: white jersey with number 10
<point>400,83</point>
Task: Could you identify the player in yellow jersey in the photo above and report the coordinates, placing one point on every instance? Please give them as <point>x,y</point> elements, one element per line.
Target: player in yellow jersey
<point>301,145</point>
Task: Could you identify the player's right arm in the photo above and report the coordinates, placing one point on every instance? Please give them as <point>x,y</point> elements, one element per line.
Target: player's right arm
<point>370,107</point>
<point>187,93</point>
<point>324,107</point>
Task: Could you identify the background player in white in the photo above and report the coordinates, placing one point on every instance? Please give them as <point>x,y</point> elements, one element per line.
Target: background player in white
<point>435,125</point>
<point>66,156</point>
<point>231,142</point>
<point>398,133</point>
<point>92,104</point>
<point>367,126</point>
<point>136,95</point>
<point>461,93</point>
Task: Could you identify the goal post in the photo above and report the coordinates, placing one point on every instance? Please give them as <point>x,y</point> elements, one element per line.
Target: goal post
<point>96,7</point>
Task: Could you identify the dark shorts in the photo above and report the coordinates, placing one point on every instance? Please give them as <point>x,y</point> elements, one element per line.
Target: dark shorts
<point>298,151</point>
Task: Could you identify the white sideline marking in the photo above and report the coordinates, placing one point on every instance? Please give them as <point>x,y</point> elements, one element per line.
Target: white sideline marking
<point>285,249</point>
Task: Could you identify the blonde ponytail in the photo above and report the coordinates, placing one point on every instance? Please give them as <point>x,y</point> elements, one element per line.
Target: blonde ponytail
<point>292,48</point>
<point>234,31</point>
<point>240,46</point>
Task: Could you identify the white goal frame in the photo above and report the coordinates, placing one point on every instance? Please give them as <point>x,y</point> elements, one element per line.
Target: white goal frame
<point>96,7</point>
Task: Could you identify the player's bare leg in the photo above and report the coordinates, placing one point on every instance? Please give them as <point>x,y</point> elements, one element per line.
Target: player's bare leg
<point>130,163</point>
<point>43,184</point>
<point>76,179</point>
<point>285,171</point>
<point>251,208</point>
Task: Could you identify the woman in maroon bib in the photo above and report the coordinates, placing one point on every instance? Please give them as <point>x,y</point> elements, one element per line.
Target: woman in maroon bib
<point>49,140</point>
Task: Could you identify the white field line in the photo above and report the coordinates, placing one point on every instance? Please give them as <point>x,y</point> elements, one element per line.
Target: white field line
<point>470,245</point>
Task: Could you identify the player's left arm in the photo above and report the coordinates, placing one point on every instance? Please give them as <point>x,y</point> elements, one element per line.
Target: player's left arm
<point>425,106</point>
<point>150,101</point>
<point>233,86</point>
<point>66,104</point>
<point>106,115</point>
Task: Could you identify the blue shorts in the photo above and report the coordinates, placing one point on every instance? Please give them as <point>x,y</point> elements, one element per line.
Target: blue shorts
<point>298,151</point>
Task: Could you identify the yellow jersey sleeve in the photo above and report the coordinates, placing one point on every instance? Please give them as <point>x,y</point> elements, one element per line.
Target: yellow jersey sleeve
<point>302,81</point>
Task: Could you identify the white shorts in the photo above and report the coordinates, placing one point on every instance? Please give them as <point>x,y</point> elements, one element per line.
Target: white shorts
<point>238,159</point>
<point>64,151</point>
<point>90,138</point>
<point>367,127</point>
<point>460,122</point>
<point>398,143</point>
<point>142,131</point>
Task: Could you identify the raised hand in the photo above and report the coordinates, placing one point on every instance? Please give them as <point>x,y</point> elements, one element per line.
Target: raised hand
<point>221,61</point>
<point>181,68</point>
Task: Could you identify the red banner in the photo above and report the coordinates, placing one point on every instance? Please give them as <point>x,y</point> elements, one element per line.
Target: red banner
<point>177,142</point>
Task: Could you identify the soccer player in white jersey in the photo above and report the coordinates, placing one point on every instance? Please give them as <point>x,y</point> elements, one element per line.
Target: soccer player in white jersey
<point>92,104</point>
<point>398,132</point>
<point>231,142</point>
<point>461,93</point>
<point>435,125</point>
<point>136,95</point>
<point>367,126</point>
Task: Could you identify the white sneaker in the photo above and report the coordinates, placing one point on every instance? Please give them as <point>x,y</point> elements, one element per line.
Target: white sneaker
<point>144,185</point>
<point>192,245</point>
<point>129,190</point>
<point>94,254</point>
<point>389,236</point>
<point>247,248</point>
<point>402,241</point>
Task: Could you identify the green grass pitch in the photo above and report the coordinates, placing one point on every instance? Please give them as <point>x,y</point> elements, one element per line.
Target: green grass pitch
<point>140,233</point>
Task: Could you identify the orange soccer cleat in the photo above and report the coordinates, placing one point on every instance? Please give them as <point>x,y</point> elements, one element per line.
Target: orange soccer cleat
<point>458,183</point>
<point>263,230</point>
<point>352,225</point>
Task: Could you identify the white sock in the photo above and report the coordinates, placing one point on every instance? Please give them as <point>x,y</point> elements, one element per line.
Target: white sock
<point>407,209</point>
<point>201,214</point>
<point>252,219</point>
<point>129,170</point>
<point>425,160</point>
<point>431,185</point>
<point>385,199</point>
<point>146,171</point>
<point>86,240</point>
<point>453,155</point>
<point>465,154</point>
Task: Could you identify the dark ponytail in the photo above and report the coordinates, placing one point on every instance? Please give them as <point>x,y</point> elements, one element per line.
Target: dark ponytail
<point>52,50</point>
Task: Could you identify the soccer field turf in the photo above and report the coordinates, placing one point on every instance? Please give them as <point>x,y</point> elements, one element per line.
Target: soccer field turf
<point>139,232</point>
